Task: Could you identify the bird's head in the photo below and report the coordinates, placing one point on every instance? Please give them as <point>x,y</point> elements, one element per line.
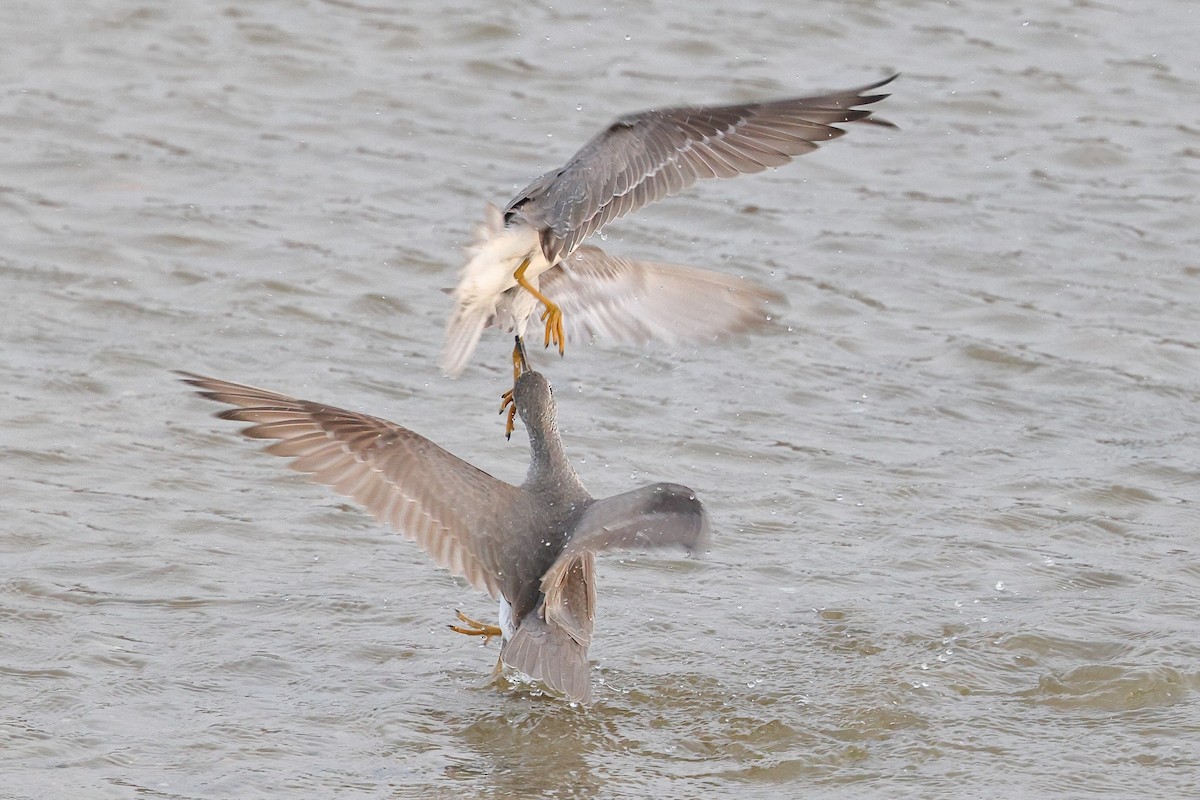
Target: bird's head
<point>535,401</point>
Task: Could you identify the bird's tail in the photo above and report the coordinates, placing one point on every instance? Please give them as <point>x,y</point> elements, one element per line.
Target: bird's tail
<point>462,334</point>
<point>547,653</point>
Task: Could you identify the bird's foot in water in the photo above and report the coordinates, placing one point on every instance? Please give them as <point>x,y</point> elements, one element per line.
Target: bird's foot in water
<point>473,627</point>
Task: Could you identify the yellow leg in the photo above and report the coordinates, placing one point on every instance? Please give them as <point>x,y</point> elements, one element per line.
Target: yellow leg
<point>552,316</point>
<point>476,628</point>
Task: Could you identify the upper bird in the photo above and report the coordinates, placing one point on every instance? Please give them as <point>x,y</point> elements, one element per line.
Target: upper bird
<point>532,547</point>
<point>636,160</point>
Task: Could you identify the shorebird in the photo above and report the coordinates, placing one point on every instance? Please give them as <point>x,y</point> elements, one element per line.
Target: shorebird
<point>531,547</point>
<point>532,250</point>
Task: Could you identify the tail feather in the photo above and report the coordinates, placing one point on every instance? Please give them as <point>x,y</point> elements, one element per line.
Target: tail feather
<point>547,653</point>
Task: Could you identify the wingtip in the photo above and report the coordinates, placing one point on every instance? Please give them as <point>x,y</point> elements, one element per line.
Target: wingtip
<point>867,99</point>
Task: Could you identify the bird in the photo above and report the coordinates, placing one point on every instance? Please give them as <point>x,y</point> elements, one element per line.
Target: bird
<point>533,250</point>
<point>531,547</point>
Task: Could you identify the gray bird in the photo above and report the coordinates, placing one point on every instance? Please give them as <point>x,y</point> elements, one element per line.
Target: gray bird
<point>525,253</point>
<point>531,547</point>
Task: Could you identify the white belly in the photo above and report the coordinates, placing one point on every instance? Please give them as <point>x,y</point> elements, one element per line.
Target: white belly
<point>506,620</point>
<point>515,308</point>
<point>490,270</point>
<point>483,281</point>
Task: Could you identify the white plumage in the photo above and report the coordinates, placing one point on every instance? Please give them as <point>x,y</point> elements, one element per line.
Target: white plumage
<point>489,273</point>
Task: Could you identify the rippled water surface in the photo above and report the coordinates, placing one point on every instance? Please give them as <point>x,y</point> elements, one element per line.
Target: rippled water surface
<point>954,488</point>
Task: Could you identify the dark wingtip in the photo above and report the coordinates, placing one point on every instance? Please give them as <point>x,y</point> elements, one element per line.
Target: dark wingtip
<point>200,383</point>
<point>878,84</point>
<point>867,99</point>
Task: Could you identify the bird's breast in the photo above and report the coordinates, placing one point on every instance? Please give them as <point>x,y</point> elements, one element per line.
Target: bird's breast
<point>494,260</point>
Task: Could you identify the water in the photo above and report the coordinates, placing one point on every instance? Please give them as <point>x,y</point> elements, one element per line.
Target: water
<point>953,489</point>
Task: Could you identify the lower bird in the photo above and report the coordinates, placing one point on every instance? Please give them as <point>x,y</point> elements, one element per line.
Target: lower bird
<point>531,547</point>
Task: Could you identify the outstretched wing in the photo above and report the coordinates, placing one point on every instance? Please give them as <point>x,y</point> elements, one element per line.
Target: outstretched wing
<point>662,515</point>
<point>637,301</point>
<point>445,505</point>
<point>649,155</point>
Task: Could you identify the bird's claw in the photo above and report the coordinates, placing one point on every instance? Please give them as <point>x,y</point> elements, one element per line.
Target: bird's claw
<point>553,317</point>
<point>507,403</point>
<point>473,627</point>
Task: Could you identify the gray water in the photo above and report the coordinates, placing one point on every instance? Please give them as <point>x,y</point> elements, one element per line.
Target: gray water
<point>954,488</point>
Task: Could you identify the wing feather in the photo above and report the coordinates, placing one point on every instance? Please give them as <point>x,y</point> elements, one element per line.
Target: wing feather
<point>653,517</point>
<point>636,301</point>
<point>643,157</point>
<point>445,505</point>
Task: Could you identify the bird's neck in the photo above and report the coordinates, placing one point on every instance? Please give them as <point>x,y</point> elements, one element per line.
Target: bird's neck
<point>549,467</point>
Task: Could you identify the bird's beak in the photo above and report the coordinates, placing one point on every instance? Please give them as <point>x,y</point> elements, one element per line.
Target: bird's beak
<point>522,355</point>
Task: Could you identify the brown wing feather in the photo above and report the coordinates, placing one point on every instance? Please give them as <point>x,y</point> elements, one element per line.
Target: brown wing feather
<point>445,505</point>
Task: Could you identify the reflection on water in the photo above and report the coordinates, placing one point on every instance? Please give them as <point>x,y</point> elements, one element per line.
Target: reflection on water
<point>531,749</point>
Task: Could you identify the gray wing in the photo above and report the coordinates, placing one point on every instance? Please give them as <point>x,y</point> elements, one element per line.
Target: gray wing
<point>551,643</point>
<point>445,505</point>
<point>661,515</point>
<point>637,301</point>
<point>649,155</point>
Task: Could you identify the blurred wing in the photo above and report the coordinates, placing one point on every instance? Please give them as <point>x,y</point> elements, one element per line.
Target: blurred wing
<point>649,155</point>
<point>445,505</point>
<point>462,335</point>
<point>638,301</point>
